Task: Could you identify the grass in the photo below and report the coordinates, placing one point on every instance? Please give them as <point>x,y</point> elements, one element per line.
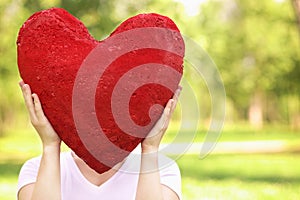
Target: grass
<point>231,177</point>
<point>9,170</point>
<point>234,176</point>
<point>237,133</point>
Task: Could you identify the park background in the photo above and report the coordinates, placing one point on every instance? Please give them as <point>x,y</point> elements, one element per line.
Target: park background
<point>254,44</point>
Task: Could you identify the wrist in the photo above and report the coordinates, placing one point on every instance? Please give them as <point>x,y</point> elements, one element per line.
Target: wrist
<point>149,149</point>
<point>149,161</point>
<point>53,147</point>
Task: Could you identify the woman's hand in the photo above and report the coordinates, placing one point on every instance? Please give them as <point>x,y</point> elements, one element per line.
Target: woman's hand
<point>47,185</point>
<point>152,141</point>
<point>149,170</point>
<point>39,121</point>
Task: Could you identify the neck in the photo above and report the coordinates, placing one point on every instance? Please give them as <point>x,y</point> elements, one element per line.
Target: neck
<point>91,175</point>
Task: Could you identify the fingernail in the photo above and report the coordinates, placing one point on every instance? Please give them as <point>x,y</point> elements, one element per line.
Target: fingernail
<point>172,103</point>
<point>170,109</point>
<point>21,83</point>
<point>179,87</point>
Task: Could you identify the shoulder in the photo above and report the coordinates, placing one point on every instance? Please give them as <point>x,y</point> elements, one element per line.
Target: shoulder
<point>28,172</point>
<point>170,175</point>
<point>30,168</point>
<point>34,163</point>
<point>168,168</point>
<point>167,164</point>
<point>169,171</point>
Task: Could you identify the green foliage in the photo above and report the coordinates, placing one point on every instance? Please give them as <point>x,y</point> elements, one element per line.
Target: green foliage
<point>255,46</point>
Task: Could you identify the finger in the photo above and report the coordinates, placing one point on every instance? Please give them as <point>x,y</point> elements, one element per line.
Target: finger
<point>162,123</point>
<point>28,101</point>
<point>165,118</point>
<point>38,107</point>
<point>169,106</point>
<point>175,98</point>
<point>177,93</point>
<point>21,83</point>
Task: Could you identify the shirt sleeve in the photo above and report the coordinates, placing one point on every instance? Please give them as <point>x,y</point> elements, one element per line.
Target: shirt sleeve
<point>170,176</point>
<point>28,173</point>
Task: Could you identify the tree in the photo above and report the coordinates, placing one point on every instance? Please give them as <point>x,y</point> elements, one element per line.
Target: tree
<point>296,5</point>
<point>255,47</point>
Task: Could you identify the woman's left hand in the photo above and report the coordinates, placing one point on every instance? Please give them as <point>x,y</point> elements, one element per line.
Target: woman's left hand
<point>151,142</point>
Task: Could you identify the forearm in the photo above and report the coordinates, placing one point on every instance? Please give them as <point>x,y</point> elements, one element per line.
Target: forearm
<point>149,186</point>
<point>48,184</point>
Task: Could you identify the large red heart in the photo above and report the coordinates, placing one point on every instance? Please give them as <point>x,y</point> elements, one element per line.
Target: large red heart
<point>58,58</point>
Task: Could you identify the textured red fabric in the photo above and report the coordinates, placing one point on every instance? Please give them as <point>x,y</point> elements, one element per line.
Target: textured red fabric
<point>52,45</point>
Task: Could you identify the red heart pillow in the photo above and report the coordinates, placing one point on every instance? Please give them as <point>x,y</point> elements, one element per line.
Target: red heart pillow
<point>98,95</point>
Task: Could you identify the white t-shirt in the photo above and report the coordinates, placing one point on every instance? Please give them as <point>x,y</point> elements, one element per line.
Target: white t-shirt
<point>122,185</point>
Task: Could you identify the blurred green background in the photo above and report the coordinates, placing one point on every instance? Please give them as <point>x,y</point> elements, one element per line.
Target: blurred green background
<point>255,45</point>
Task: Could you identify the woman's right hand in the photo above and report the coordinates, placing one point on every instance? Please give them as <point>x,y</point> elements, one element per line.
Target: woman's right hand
<point>39,121</point>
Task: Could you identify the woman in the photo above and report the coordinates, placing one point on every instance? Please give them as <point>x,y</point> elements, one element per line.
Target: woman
<point>57,175</point>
